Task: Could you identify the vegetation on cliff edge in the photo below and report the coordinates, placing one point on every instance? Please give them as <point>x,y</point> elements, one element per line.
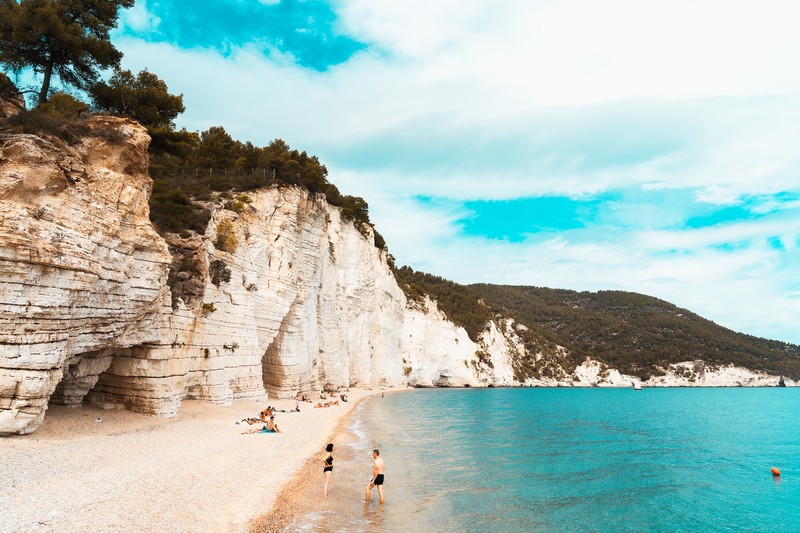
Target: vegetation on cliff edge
<point>70,42</point>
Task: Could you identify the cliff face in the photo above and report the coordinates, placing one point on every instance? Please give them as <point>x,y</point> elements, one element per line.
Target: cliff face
<point>83,272</point>
<point>278,298</point>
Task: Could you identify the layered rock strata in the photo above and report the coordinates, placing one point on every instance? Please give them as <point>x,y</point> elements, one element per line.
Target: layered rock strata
<point>82,269</point>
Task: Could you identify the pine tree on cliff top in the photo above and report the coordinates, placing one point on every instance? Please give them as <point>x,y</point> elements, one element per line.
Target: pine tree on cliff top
<point>68,39</point>
<point>143,97</point>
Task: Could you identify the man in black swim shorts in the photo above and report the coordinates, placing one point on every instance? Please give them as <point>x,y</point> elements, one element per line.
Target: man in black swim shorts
<point>377,475</point>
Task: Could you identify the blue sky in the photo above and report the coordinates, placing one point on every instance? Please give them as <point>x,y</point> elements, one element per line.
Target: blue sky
<point>635,145</point>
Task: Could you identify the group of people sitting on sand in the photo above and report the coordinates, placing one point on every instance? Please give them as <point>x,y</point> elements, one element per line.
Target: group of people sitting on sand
<point>338,393</point>
<point>267,416</point>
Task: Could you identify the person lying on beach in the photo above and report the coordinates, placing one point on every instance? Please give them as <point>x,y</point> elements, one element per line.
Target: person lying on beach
<point>265,429</point>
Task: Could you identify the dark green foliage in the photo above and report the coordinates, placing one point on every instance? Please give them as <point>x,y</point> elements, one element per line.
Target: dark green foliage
<point>460,304</point>
<point>635,333</point>
<point>219,272</point>
<point>144,97</point>
<point>37,123</point>
<point>64,107</point>
<point>172,210</point>
<point>380,242</point>
<point>68,39</point>
<point>61,117</point>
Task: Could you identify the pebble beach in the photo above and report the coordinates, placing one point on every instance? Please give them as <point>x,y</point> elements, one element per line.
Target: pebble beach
<point>90,469</point>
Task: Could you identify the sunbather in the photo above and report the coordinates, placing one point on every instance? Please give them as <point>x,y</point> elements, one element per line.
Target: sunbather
<point>265,429</point>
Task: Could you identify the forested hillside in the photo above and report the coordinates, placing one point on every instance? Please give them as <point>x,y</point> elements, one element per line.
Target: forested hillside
<point>635,333</point>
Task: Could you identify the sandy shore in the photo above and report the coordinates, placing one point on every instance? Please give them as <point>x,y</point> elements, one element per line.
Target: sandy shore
<point>132,472</point>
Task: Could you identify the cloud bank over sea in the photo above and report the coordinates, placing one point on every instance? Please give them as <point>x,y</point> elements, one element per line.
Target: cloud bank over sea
<point>640,146</point>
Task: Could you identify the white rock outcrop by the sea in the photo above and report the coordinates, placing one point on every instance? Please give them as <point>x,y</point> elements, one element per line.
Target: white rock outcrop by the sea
<point>281,296</point>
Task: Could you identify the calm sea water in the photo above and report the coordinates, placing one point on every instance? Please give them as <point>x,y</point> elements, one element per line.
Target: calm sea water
<point>568,460</point>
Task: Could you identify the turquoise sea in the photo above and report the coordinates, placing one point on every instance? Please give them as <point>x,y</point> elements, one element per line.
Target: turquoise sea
<point>568,460</point>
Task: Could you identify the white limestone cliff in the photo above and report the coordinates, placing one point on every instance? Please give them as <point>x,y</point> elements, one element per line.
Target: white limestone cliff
<point>95,308</point>
<point>83,271</point>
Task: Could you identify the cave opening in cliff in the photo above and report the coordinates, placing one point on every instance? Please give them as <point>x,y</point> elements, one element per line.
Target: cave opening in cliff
<point>80,375</point>
<point>273,374</point>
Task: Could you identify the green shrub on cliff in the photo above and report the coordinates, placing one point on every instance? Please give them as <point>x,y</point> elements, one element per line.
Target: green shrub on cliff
<point>172,210</point>
<point>64,107</point>
<point>64,116</point>
<point>144,97</point>
<point>219,272</point>
<point>226,236</point>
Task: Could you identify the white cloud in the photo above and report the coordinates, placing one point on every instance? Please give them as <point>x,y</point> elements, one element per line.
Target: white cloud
<point>139,18</point>
<point>577,52</point>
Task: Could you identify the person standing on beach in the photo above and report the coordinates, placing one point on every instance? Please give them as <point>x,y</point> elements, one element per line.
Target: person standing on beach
<point>327,470</point>
<point>377,475</point>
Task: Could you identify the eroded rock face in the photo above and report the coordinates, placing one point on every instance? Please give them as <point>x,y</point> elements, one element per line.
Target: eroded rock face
<point>310,304</point>
<point>82,268</point>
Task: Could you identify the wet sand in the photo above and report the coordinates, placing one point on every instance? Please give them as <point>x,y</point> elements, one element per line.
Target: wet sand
<point>132,472</point>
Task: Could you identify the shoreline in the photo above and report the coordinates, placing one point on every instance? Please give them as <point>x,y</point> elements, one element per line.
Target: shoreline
<point>285,505</point>
<point>91,469</point>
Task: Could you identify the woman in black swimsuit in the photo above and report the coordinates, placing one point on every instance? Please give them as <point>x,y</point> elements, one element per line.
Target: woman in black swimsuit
<point>327,471</point>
